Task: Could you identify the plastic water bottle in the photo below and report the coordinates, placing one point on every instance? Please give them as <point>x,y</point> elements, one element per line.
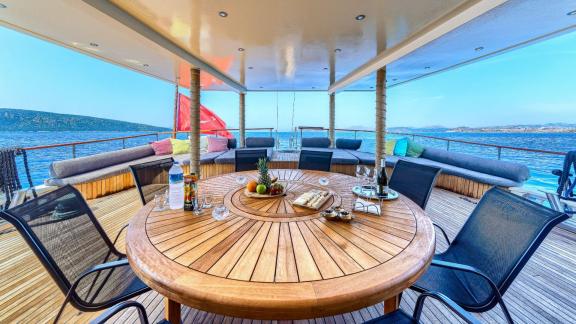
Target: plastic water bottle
<point>176,187</point>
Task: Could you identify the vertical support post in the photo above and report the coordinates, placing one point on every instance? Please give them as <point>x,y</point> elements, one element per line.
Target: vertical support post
<point>195,121</point>
<point>332,121</point>
<point>499,152</point>
<point>380,116</point>
<point>73,151</point>
<point>448,145</point>
<point>175,124</point>
<point>242,119</point>
<point>123,143</point>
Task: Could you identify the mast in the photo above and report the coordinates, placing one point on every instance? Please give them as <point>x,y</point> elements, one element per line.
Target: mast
<point>195,121</point>
<point>380,116</point>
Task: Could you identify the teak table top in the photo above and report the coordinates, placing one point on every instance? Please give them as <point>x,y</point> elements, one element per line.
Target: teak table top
<point>272,260</point>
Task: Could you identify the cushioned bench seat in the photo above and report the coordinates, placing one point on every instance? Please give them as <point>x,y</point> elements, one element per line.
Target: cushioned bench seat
<point>338,156</point>
<point>229,157</point>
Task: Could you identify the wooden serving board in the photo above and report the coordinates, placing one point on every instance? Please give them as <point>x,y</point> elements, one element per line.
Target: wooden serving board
<point>320,204</point>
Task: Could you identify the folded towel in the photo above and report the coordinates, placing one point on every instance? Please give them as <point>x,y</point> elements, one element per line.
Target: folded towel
<point>365,206</point>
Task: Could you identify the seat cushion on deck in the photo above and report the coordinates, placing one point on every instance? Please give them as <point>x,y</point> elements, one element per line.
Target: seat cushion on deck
<point>319,142</point>
<point>364,158</point>
<point>348,144</point>
<point>457,171</point>
<point>82,165</point>
<point>513,171</point>
<point>229,157</point>
<point>254,142</point>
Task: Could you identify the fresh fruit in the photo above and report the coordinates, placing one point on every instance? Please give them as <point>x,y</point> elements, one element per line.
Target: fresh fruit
<point>251,186</point>
<point>263,176</point>
<point>261,189</point>
<point>276,189</point>
<point>274,179</point>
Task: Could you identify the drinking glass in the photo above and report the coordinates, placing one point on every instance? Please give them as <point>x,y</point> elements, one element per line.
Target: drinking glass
<point>207,201</point>
<point>369,175</point>
<point>360,171</point>
<point>220,212</point>
<point>197,207</point>
<point>159,202</point>
<point>241,180</point>
<point>323,181</point>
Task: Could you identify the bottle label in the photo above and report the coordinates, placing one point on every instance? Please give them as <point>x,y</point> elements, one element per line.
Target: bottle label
<point>176,178</point>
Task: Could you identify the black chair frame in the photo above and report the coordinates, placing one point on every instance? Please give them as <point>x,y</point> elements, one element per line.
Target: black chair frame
<point>239,166</point>
<point>314,154</point>
<point>498,291</point>
<point>404,166</point>
<point>137,181</point>
<point>48,262</point>
<point>110,312</point>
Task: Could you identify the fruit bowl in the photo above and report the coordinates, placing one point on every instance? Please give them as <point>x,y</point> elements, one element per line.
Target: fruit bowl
<point>251,194</point>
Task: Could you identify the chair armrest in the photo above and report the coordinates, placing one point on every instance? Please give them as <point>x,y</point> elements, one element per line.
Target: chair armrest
<point>443,233</point>
<point>110,312</point>
<point>98,268</point>
<point>470,269</point>
<point>466,316</point>
<point>116,240</point>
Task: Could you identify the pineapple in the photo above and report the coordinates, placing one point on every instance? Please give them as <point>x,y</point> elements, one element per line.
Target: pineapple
<point>264,177</point>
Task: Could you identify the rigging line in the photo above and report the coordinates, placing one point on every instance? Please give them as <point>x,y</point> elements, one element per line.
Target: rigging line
<point>292,125</point>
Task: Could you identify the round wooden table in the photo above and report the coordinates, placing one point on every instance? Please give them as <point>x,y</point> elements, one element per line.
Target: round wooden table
<point>271,260</point>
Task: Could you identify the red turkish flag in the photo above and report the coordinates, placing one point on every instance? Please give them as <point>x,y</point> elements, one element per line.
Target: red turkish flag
<point>210,123</point>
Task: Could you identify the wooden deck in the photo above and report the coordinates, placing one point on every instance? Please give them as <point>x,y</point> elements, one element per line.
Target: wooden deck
<point>543,292</point>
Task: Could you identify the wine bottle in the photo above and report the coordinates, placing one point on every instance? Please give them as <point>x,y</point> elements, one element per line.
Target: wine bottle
<point>382,181</point>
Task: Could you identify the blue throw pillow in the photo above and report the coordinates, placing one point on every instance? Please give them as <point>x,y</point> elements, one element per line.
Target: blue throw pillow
<point>401,147</point>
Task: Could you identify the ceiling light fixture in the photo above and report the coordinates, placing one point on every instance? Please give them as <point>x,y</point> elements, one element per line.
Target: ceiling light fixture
<point>240,49</point>
<point>337,50</point>
<point>94,44</point>
<point>3,6</point>
<point>360,17</point>
<point>250,68</point>
<point>427,67</point>
<point>479,48</point>
<point>571,13</point>
<point>223,14</point>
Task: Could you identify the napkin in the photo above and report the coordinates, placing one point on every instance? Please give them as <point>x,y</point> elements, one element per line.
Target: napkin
<point>365,206</point>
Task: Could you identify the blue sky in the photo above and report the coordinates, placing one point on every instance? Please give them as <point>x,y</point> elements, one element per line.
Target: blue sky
<point>535,84</point>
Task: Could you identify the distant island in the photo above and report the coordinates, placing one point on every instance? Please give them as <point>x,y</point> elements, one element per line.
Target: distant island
<point>542,128</point>
<point>31,120</point>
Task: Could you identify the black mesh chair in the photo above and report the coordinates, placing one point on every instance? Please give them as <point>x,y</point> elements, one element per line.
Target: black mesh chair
<point>414,181</point>
<point>401,317</point>
<point>315,160</point>
<point>245,160</point>
<point>497,240</point>
<point>565,193</point>
<point>151,178</point>
<point>116,309</point>
<point>65,235</point>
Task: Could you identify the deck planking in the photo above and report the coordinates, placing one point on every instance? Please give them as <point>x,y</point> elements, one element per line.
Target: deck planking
<point>542,293</point>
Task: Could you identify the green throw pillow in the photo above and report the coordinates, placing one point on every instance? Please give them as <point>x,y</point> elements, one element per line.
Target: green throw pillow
<point>390,147</point>
<point>414,149</point>
<point>401,147</point>
<point>180,146</point>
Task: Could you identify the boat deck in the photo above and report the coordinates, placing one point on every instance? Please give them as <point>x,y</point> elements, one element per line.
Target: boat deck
<point>543,292</point>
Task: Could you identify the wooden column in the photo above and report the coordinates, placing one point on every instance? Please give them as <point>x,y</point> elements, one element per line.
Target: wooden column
<point>242,119</point>
<point>380,115</point>
<point>332,119</point>
<point>195,121</point>
<point>175,125</point>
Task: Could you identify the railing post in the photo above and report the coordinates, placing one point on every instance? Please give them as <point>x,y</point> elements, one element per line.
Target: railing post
<point>158,137</point>
<point>123,143</point>
<point>73,151</point>
<point>355,133</point>
<point>413,137</point>
<point>447,145</point>
<point>499,152</point>
<point>270,131</point>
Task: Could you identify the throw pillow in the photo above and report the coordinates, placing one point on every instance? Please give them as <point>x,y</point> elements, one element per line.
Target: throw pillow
<point>390,147</point>
<point>401,147</point>
<point>414,149</point>
<point>180,146</point>
<point>162,147</point>
<point>217,144</point>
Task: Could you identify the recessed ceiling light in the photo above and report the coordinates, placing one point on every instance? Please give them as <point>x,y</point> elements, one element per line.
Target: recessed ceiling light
<point>94,44</point>
<point>250,68</point>
<point>3,6</point>
<point>571,13</point>
<point>360,17</point>
<point>325,68</point>
<point>223,14</point>
<point>240,49</point>
<point>337,50</point>
<point>145,65</point>
<point>479,48</point>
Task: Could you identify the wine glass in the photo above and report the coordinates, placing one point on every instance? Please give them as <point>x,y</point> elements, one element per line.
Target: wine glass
<point>207,201</point>
<point>241,180</point>
<point>159,202</point>
<point>220,212</point>
<point>360,171</point>
<point>369,176</point>
<point>323,181</point>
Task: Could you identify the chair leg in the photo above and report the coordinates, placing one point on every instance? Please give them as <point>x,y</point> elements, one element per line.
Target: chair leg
<point>63,305</point>
<point>506,312</point>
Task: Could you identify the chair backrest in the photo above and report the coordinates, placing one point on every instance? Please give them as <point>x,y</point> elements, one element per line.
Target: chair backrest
<point>62,231</point>
<point>499,237</point>
<point>245,160</point>
<point>414,181</point>
<point>151,178</point>
<point>315,160</point>
<point>567,179</point>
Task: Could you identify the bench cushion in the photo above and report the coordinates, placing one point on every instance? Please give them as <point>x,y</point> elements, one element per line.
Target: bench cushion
<point>319,142</point>
<point>364,158</point>
<point>503,169</point>
<point>82,165</point>
<point>229,157</point>
<point>255,142</point>
<point>339,156</point>
<point>348,144</point>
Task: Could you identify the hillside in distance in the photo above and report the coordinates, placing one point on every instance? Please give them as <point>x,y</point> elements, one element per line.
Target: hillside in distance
<point>32,120</point>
